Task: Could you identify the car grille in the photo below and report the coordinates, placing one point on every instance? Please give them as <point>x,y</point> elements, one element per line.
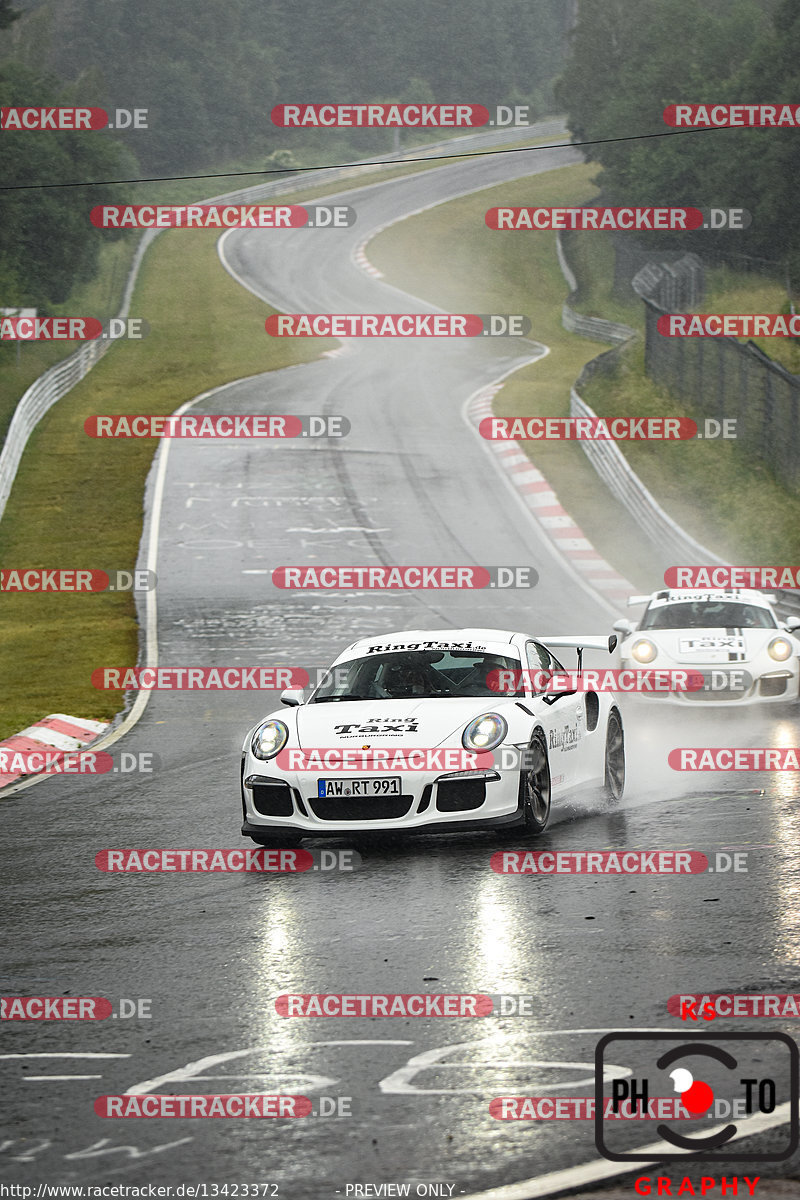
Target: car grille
<point>359,808</point>
<point>273,799</point>
<point>460,795</point>
<point>722,694</point>
<point>775,686</point>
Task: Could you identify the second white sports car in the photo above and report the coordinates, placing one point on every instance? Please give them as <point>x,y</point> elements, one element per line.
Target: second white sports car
<point>732,638</point>
<point>431,731</point>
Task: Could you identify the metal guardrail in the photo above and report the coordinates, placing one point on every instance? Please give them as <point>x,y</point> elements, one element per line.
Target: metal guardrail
<point>625,485</point>
<point>592,327</point>
<point>622,481</point>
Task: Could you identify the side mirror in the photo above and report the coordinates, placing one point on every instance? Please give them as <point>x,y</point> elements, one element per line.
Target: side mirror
<point>792,623</point>
<point>292,697</point>
<point>624,626</point>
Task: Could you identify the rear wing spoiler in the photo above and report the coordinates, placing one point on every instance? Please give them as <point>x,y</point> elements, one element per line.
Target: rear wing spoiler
<point>632,600</point>
<point>590,642</point>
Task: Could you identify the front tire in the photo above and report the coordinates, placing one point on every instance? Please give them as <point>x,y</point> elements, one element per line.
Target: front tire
<point>614,772</point>
<point>534,787</point>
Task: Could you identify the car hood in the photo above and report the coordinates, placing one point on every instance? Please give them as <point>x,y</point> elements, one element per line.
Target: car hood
<point>714,645</point>
<point>410,722</point>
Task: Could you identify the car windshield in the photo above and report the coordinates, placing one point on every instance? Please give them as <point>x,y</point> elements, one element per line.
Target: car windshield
<point>418,674</point>
<point>708,614</point>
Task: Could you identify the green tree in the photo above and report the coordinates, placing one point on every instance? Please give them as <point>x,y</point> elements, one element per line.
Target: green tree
<point>47,241</point>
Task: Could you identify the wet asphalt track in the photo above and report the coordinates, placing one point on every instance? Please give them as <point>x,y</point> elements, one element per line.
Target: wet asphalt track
<point>410,484</point>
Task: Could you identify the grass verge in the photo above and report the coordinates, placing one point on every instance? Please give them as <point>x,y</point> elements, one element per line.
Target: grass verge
<point>77,502</point>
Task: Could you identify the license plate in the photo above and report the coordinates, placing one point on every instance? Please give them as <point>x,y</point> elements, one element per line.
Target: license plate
<point>388,786</point>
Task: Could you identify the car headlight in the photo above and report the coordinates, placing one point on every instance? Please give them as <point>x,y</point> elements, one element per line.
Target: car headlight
<point>644,651</point>
<point>484,733</point>
<point>269,739</point>
<point>780,649</point>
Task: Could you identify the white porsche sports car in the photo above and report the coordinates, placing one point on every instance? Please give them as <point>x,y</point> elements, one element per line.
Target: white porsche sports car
<point>412,732</point>
<point>733,638</point>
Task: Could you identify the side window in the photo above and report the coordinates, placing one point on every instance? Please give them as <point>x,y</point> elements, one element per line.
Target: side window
<point>540,660</point>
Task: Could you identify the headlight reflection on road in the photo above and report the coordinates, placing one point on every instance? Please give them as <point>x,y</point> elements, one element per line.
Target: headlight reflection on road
<point>502,954</point>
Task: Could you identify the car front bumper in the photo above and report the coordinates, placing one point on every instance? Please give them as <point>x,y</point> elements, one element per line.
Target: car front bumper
<point>288,801</point>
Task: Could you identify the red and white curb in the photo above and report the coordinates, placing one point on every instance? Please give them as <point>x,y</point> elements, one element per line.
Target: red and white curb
<point>54,733</point>
<point>360,254</point>
<point>543,504</point>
